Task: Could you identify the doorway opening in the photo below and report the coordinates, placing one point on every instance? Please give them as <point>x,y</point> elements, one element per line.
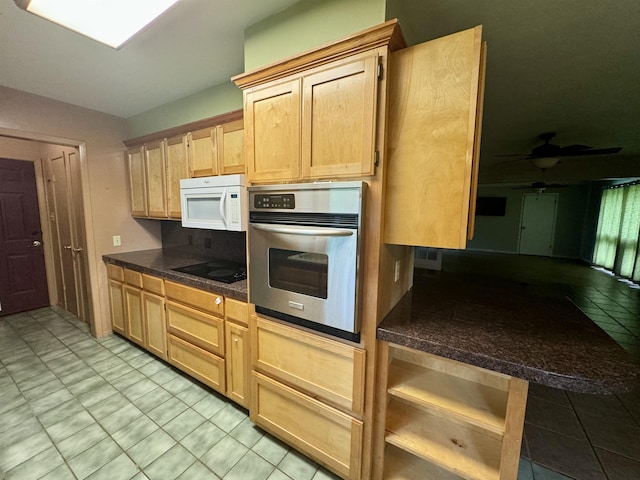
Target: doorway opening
<point>58,183</point>
<point>537,224</point>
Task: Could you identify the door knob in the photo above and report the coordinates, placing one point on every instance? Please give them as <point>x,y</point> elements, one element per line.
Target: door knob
<point>36,243</point>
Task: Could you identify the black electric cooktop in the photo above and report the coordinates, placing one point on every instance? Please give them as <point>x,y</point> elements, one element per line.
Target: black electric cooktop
<point>218,270</point>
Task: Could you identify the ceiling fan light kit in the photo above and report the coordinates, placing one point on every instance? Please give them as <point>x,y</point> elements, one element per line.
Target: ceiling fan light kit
<point>545,162</point>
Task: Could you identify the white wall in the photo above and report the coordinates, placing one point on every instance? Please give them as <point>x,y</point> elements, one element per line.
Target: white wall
<point>105,192</point>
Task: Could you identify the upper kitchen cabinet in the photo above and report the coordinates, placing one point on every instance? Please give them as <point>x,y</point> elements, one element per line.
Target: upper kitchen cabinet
<point>177,169</point>
<point>137,182</point>
<point>272,131</point>
<point>316,115</point>
<point>203,153</point>
<point>435,109</point>
<point>156,180</point>
<point>230,137</point>
<point>158,161</point>
<point>218,150</point>
<point>339,118</point>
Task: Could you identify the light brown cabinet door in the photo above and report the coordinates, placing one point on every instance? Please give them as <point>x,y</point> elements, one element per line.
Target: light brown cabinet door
<point>155,324</point>
<point>231,147</point>
<point>116,302</point>
<point>177,169</point>
<point>137,182</point>
<point>198,328</point>
<point>435,107</point>
<point>303,359</point>
<point>237,363</point>
<point>134,314</point>
<point>325,434</point>
<point>156,182</point>
<point>272,131</point>
<point>203,153</point>
<point>339,118</point>
<point>199,363</point>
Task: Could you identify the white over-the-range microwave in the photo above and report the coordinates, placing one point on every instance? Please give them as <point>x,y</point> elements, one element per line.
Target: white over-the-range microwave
<point>214,203</point>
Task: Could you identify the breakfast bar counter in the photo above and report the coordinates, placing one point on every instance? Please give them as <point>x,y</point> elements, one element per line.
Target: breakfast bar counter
<point>504,328</point>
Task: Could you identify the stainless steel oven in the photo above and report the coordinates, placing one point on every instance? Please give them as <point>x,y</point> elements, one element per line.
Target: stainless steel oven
<point>304,252</point>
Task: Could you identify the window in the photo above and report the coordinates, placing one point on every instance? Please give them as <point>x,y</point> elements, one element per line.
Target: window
<point>618,231</point>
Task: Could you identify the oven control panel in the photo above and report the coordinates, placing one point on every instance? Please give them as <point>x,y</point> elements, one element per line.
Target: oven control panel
<point>275,201</point>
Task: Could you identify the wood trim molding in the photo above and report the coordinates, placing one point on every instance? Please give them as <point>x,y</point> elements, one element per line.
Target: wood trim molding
<point>387,33</point>
<point>187,127</point>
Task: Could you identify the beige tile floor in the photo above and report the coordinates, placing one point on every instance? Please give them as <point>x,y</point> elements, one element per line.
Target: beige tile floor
<point>75,407</point>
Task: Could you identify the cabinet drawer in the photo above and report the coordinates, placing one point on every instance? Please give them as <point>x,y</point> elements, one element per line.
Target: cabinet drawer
<point>329,436</point>
<point>236,311</point>
<point>207,301</point>
<point>198,363</point>
<point>115,273</point>
<point>133,278</point>
<point>322,367</point>
<point>153,284</point>
<point>205,331</point>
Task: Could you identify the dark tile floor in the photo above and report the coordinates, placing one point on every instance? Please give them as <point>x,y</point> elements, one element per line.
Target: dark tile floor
<point>75,407</point>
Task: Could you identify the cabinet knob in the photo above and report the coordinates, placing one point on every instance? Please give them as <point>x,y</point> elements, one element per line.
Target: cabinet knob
<point>218,300</point>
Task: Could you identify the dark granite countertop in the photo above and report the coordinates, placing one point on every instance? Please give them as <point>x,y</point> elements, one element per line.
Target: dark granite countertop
<point>160,262</point>
<point>502,328</point>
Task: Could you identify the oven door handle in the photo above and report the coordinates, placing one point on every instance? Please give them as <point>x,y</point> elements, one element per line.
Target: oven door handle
<point>321,232</point>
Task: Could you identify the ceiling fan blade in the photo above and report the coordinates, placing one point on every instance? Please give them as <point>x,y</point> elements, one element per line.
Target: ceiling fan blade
<point>574,148</point>
<point>591,151</point>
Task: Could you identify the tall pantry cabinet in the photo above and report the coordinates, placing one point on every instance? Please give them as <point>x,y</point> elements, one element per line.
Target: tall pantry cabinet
<point>364,107</point>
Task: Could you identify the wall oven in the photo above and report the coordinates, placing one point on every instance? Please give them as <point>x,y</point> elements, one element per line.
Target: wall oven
<point>304,252</point>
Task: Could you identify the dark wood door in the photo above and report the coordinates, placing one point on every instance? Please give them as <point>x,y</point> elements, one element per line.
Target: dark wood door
<point>23,281</point>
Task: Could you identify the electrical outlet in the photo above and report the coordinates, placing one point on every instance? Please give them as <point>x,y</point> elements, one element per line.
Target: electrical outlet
<point>397,272</point>
<point>116,241</point>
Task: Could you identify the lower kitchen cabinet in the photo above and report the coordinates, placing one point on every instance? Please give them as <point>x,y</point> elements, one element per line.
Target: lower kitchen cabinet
<point>447,420</point>
<point>195,326</point>
<point>201,329</point>
<point>308,390</point>
<point>237,351</point>
<point>155,326</point>
<point>197,362</point>
<point>303,359</point>
<point>199,332</point>
<point>327,435</point>
<point>133,306</point>
<point>115,277</point>
<point>236,358</point>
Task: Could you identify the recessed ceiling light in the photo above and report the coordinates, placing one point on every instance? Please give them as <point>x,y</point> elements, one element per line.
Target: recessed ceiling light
<point>111,22</point>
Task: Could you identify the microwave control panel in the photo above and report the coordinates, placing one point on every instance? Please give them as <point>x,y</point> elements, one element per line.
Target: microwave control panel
<point>275,201</point>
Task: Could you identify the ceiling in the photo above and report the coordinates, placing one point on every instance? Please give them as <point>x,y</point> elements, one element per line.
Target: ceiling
<point>569,66</point>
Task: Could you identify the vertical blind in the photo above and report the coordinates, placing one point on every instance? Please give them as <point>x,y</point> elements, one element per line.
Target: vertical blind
<point>618,231</point>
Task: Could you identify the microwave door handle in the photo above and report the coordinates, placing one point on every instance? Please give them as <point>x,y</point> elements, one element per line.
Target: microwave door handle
<point>223,199</point>
<point>321,232</point>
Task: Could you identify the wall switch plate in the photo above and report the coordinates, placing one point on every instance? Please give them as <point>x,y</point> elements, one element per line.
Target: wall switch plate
<point>116,241</point>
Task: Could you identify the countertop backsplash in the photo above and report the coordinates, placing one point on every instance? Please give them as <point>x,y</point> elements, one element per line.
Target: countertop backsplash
<point>213,243</point>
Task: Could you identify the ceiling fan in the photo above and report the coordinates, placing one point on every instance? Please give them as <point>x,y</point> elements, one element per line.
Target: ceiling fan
<point>548,155</point>
<point>539,187</point>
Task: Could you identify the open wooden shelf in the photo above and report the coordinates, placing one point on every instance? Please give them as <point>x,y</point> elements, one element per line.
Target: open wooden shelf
<point>469,401</point>
<point>401,465</point>
<point>463,450</point>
